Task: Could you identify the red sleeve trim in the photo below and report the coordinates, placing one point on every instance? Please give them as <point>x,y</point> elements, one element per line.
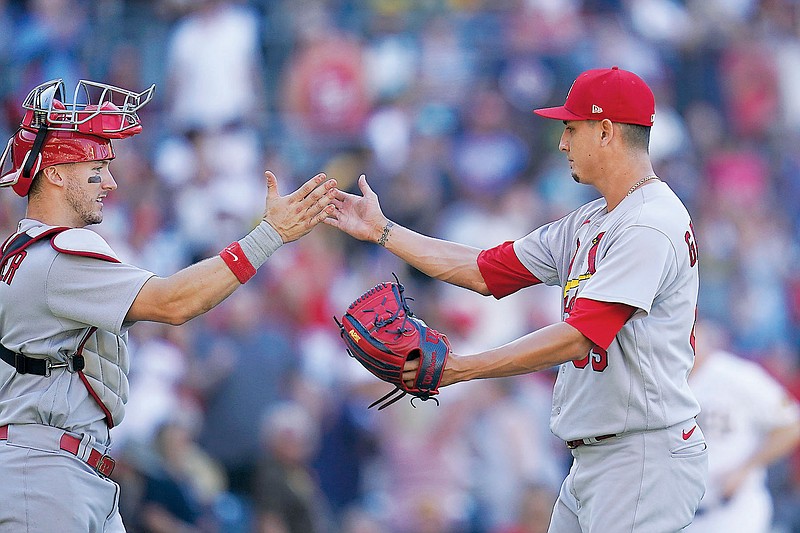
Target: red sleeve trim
<point>503,272</point>
<point>599,321</point>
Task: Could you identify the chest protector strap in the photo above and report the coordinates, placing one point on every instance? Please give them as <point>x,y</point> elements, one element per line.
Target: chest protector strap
<point>38,366</point>
<point>22,363</point>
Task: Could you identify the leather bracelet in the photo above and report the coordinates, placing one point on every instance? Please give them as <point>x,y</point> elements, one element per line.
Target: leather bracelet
<point>237,261</point>
<point>385,234</point>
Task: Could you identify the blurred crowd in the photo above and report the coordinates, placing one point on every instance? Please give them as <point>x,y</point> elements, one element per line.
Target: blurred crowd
<point>252,418</point>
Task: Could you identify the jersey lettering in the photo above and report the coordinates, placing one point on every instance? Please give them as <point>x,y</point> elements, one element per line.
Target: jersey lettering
<point>591,266</point>
<point>692,244</point>
<point>11,267</point>
<point>592,258</point>
<point>572,260</point>
<point>598,357</point>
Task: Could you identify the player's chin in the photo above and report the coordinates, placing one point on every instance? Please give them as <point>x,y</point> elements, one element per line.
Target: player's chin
<point>95,217</point>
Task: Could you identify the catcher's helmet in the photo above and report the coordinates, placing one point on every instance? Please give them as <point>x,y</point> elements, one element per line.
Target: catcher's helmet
<point>53,132</point>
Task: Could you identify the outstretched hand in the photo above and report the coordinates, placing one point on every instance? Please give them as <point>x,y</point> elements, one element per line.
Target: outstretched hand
<point>297,213</point>
<point>358,216</point>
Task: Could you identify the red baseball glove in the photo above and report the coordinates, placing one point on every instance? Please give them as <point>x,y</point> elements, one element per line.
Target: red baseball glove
<point>382,333</point>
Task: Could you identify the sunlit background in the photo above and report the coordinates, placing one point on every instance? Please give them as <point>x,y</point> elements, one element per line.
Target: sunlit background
<point>254,412</point>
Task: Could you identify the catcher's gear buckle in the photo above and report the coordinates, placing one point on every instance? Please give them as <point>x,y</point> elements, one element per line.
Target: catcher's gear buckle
<point>74,363</point>
<point>49,366</point>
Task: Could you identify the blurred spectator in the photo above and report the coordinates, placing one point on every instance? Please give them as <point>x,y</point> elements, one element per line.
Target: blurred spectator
<point>423,480</point>
<point>243,364</point>
<point>487,155</point>
<point>447,69</point>
<point>48,45</point>
<point>534,510</point>
<point>217,189</point>
<point>214,70</point>
<point>750,422</point>
<point>285,491</point>
<point>751,93</point>
<point>216,106</point>
<point>324,95</point>
<point>8,13</point>
<point>156,383</point>
<point>544,28</point>
<point>360,521</point>
<point>514,452</point>
<point>178,483</point>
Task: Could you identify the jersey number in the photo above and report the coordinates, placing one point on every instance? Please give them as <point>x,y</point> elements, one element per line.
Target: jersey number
<point>598,357</point>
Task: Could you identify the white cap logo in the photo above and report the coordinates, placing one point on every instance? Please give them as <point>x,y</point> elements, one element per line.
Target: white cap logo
<point>596,109</point>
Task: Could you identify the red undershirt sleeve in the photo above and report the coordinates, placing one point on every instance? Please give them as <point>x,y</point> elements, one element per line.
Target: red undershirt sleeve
<point>503,272</point>
<point>599,321</point>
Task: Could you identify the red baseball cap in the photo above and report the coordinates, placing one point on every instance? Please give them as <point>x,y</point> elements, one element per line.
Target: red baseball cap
<point>612,93</point>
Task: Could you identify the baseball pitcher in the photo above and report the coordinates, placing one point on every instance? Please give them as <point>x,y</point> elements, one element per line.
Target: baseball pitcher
<point>627,266</point>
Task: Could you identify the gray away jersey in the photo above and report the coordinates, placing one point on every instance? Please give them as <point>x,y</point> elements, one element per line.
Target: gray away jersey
<point>47,305</point>
<point>643,253</point>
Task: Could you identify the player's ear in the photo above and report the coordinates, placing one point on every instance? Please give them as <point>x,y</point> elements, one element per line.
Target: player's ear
<point>53,175</point>
<point>606,131</point>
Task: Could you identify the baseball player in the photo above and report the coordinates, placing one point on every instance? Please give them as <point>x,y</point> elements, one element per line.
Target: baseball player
<point>750,422</point>
<point>67,302</point>
<point>627,267</point>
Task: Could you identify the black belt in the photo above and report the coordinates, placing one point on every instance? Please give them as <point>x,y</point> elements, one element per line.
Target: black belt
<point>572,444</point>
<point>40,367</point>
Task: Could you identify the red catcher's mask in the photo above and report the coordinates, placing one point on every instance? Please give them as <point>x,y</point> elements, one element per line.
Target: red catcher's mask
<point>53,132</point>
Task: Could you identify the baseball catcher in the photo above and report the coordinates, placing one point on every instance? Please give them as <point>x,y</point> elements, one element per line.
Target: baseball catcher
<point>382,333</point>
<point>67,302</point>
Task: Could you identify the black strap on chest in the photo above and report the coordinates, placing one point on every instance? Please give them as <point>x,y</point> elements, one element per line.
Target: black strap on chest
<point>23,240</point>
<point>22,363</point>
<point>20,242</point>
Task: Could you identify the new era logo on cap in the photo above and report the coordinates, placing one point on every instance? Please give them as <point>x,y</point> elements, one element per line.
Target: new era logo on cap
<point>612,93</point>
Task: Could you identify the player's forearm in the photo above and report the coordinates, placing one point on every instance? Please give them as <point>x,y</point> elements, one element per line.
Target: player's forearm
<point>542,349</point>
<point>184,295</point>
<point>200,287</point>
<point>446,261</point>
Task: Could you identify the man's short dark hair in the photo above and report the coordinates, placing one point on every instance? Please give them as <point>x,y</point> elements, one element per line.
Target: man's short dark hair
<point>637,136</point>
<point>36,183</point>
